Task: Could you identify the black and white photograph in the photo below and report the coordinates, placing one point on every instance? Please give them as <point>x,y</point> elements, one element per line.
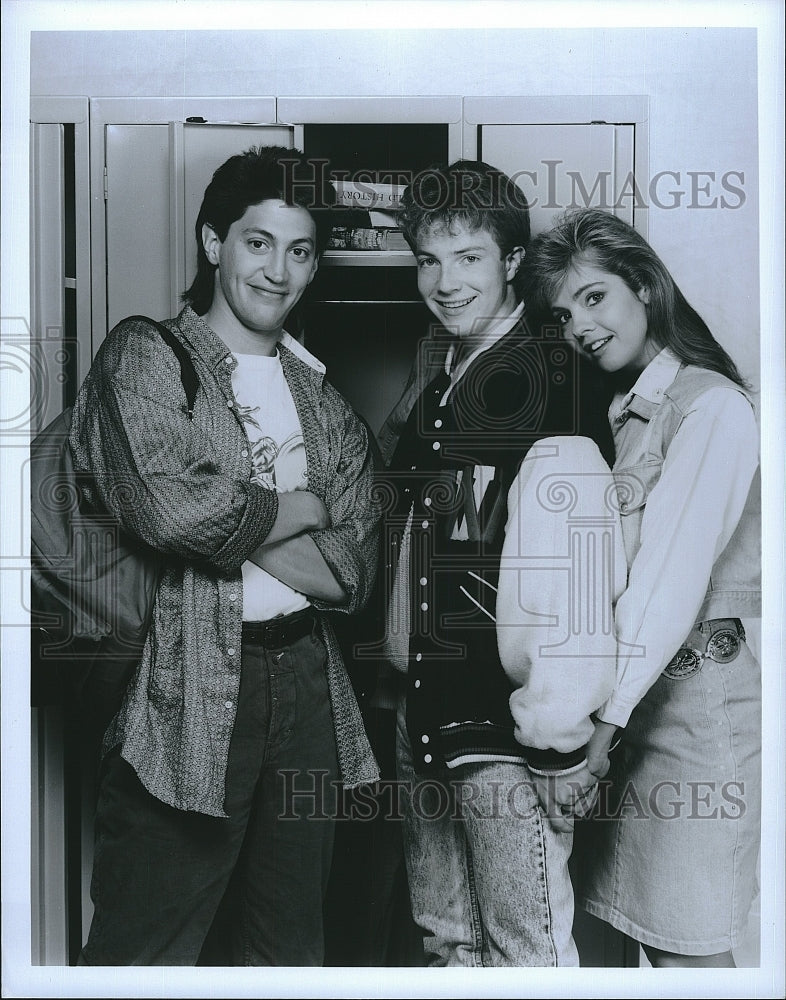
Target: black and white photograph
<point>393,471</point>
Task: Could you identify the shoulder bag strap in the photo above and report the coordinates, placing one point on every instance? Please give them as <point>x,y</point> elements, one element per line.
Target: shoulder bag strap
<point>188,375</point>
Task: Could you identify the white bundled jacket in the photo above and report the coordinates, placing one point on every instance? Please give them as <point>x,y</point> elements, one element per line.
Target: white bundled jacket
<point>562,569</point>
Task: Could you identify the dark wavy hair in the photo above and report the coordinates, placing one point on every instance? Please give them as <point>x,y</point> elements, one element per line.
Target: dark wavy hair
<point>262,173</point>
<point>471,193</point>
<point>610,243</point>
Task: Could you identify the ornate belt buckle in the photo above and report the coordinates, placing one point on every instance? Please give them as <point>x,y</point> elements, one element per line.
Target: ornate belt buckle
<point>723,646</point>
<point>685,662</point>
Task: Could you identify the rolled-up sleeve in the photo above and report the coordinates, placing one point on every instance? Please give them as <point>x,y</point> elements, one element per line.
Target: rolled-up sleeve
<point>161,474</point>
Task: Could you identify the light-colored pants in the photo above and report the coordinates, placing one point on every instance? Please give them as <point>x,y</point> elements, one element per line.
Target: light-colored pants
<point>488,875</point>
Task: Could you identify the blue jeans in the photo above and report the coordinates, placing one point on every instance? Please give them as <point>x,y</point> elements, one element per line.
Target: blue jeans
<point>488,875</point>
<point>160,874</point>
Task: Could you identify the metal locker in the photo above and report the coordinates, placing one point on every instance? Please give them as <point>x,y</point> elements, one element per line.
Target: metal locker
<point>154,179</point>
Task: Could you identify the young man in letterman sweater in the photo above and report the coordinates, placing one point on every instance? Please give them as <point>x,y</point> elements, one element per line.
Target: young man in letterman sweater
<point>498,490</point>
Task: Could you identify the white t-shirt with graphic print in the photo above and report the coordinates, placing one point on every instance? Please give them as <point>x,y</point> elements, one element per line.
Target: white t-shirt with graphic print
<point>278,454</point>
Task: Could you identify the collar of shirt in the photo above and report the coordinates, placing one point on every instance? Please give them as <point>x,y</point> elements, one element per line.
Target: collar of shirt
<point>495,334</point>
<point>647,392</point>
<point>202,338</point>
<point>300,352</point>
<point>214,350</point>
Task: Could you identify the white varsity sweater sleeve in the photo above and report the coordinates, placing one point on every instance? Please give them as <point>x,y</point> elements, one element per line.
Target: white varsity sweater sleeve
<point>562,568</point>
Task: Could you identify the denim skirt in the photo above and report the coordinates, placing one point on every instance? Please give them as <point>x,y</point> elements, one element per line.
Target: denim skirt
<point>669,856</point>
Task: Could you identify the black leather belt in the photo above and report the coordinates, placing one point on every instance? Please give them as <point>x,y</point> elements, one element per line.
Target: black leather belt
<point>282,631</point>
<point>718,639</point>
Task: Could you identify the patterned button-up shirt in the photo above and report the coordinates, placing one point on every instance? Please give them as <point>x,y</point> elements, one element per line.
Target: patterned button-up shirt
<point>184,487</point>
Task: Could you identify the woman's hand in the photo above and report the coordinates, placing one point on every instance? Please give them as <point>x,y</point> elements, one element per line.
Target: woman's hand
<point>598,748</point>
<point>563,797</point>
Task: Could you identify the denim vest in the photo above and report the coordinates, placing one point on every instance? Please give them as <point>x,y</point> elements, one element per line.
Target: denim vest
<point>735,583</point>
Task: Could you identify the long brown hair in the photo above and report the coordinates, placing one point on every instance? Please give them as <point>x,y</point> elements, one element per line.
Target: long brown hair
<point>610,243</point>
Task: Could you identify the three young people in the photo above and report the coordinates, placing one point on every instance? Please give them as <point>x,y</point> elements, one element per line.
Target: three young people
<point>265,514</point>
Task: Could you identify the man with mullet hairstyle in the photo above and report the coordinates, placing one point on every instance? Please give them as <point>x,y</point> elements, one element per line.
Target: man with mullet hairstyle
<point>217,791</point>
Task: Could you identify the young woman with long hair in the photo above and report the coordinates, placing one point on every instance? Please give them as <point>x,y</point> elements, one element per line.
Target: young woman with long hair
<point>670,856</point>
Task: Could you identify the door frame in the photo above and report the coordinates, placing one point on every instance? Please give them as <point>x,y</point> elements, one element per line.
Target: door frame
<point>57,818</point>
<point>151,111</point>
<point>66,111</point>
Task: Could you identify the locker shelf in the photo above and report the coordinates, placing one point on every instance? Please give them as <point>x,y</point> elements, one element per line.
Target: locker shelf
<point>367,258</point>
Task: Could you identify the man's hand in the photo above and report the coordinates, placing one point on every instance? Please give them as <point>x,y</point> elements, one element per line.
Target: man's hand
<point>598,748</point>
<point>563,797</point>
<point>298,511</point>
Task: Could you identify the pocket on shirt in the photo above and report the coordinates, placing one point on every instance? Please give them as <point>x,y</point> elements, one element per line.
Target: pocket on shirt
<point>634,485</point>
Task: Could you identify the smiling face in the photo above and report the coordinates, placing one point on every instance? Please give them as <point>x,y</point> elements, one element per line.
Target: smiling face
<point>464,278</point>
<point>263,267</point>
<point>604,318</point>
